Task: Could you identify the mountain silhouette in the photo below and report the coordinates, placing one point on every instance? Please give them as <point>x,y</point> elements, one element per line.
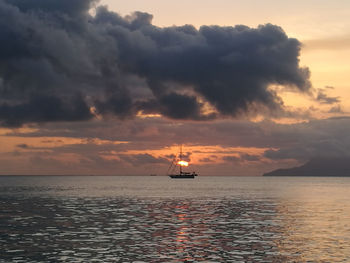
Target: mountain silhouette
<point>317,167</point>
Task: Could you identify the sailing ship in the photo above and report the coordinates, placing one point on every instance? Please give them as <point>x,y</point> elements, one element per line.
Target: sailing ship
<point>178,161</point>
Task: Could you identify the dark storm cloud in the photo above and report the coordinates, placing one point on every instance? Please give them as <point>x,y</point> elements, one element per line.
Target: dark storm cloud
<point>52,50</point>
<point>74,7</point>
<point>44,109</point>
<point>175,106</point>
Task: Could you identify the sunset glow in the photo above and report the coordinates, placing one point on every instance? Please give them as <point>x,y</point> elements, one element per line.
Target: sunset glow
<point>122,100</point>
<point>182,163</point>
<point>174,131</point>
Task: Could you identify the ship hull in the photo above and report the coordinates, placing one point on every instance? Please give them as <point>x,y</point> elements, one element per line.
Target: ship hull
<point>182,176</point>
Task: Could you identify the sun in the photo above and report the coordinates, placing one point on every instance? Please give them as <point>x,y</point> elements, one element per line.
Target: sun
<point>182,163</point>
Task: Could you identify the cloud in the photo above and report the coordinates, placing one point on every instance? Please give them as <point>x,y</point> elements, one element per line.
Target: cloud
<point>207,160</point>
<point>250,157</point>
<point>143,159</point>
<point>326,138</point>
<point>58,61</point>
<point>241,158</point>
<point>336,109</point>
<point>227,144</point>
<point>301,140</point>
<point>231,159</point>
<point>323,98</point>
<point>43,109</point>
<point>23,146</point>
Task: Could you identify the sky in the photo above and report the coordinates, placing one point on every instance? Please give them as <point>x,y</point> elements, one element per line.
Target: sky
<point>114,87</point>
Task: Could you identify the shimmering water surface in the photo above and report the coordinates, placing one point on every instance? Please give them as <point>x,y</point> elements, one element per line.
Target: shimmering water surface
<point>156,219</point>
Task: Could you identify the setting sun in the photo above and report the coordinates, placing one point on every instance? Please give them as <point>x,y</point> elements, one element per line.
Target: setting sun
<point>182,163</point>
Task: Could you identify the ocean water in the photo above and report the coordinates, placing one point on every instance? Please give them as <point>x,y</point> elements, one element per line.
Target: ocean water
<point>156,219</point>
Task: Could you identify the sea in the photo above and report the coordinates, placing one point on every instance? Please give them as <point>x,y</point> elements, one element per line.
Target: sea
<point>158,219</point>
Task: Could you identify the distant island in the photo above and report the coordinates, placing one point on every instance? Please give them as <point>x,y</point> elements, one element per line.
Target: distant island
<point>337,167</point>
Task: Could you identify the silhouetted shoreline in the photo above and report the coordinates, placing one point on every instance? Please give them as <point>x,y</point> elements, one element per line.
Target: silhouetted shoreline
<point>321,167</point>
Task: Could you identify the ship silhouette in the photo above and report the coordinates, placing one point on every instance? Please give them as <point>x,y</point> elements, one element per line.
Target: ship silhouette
<point>180,163</point>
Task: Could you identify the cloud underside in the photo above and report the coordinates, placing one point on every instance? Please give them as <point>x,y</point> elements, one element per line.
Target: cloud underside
<point>60,63</point>
<point>143,146</point>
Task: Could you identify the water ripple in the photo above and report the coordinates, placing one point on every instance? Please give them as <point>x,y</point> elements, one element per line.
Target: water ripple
<point>49,228</point>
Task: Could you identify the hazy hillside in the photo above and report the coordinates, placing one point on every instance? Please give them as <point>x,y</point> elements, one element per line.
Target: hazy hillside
<point>317,167</point>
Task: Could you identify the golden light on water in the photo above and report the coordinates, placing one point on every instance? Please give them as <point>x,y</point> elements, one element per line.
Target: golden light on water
<point>182,163</point>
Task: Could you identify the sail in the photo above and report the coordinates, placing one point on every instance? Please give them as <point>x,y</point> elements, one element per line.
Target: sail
<point>179,162</point>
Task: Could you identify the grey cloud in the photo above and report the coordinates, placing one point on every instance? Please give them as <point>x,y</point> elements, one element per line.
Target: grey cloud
<point>23,146</point>
<point>241,157</point>
<point>289,153</point>
<point>286,144</point>
<point>324,98</point>
<point>301,141</point>
<point>336,109</point>
<point>314,149</point>
<point>328,138</point>
<point>175,106</point>
<point>142,159</point>
<point>206,160</point>
<point>53,50</point>
<point>75,7</point>
<point>44,109</point>
<point>250,157</point>
<point>230,159</point>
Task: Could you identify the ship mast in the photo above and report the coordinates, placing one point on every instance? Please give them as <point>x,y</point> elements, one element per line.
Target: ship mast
<point>180,158</point>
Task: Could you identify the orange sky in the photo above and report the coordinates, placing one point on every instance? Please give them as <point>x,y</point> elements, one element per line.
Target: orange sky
<point>247,145</point>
